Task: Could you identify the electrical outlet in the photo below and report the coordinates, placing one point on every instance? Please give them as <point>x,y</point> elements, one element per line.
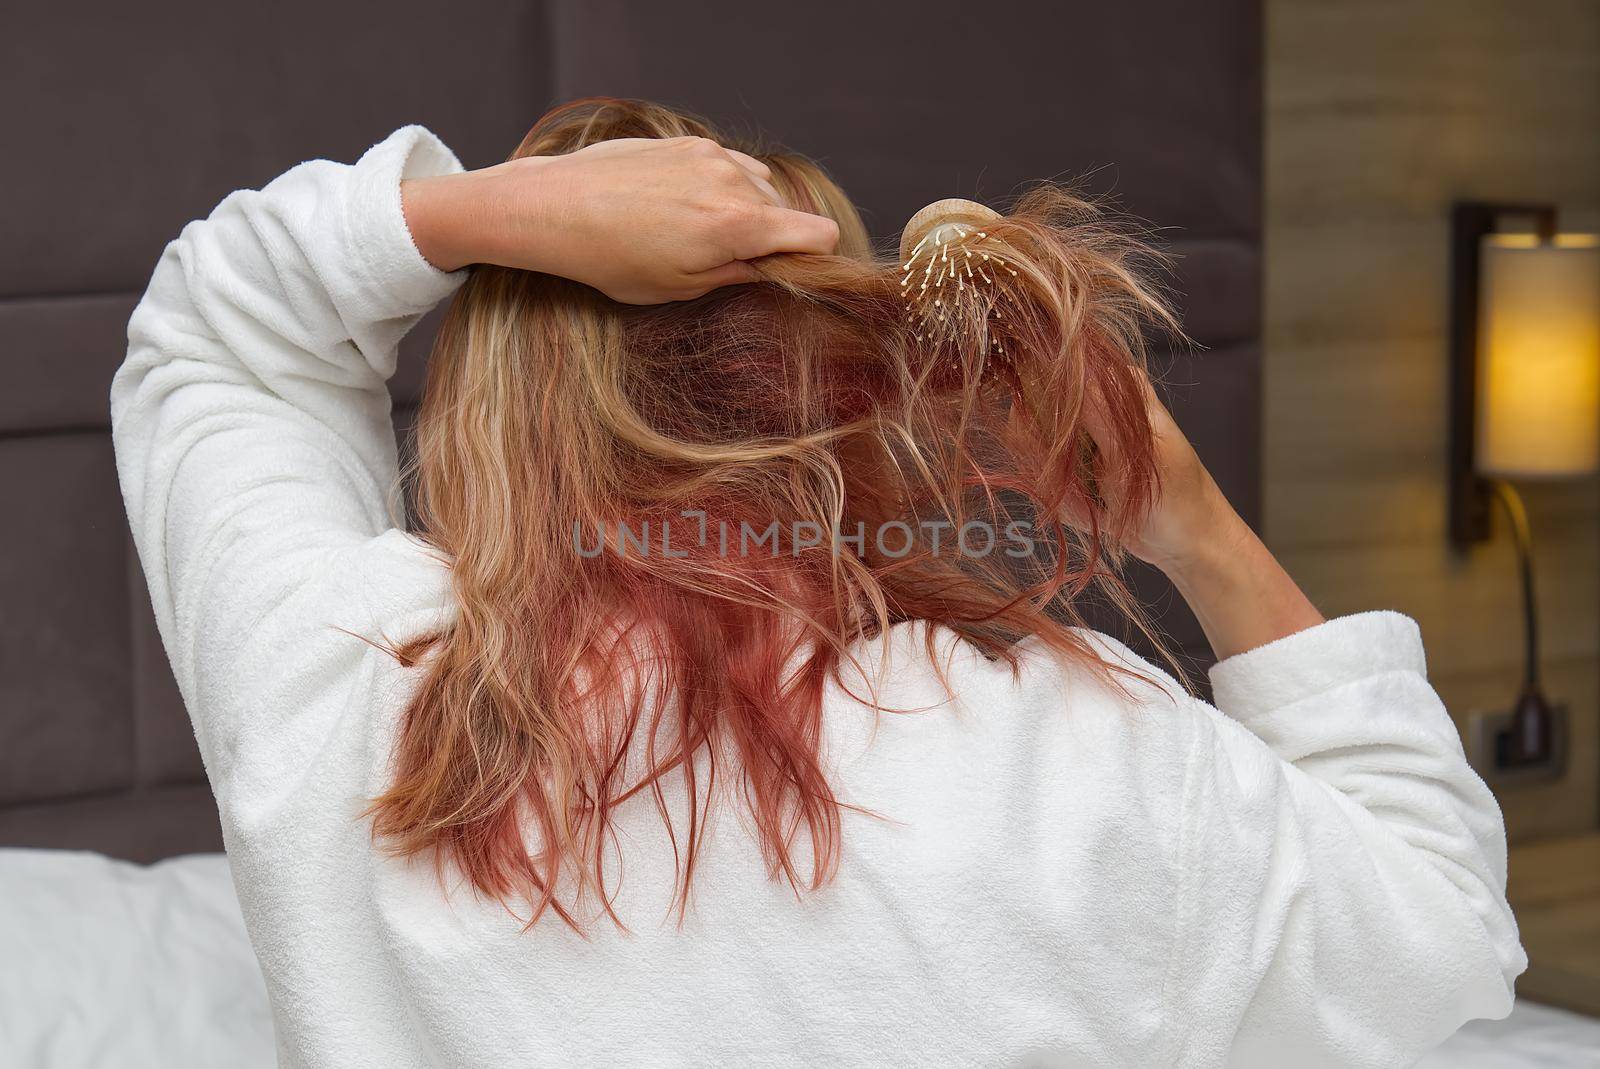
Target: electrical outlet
<point>1488,739</point>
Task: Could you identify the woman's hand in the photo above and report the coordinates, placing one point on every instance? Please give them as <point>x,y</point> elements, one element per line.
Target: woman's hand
<point>1190,513</point>
<point>642,220</point>
<point>1238,591</point>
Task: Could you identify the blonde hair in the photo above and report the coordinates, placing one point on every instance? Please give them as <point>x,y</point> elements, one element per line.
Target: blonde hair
<point>551,411</point>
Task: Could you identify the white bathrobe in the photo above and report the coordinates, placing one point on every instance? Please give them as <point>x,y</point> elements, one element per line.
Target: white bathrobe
<point>1308,874</point>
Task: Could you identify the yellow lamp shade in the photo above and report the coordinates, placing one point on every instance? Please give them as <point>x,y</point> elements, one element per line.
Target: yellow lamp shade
<point>1539,356</point>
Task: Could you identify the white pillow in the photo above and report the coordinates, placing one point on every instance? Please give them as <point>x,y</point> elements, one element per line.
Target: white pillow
<point>107,963</point>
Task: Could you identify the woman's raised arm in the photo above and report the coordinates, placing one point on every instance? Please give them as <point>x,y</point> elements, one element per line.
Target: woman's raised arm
<point>251,417</point>
<point>643,220</point>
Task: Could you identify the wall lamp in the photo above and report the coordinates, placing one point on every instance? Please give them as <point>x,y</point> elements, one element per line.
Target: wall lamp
<point>1524,405</point>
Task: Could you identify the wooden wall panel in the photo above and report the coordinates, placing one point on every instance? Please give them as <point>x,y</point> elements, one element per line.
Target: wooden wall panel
<point>1379,114</point>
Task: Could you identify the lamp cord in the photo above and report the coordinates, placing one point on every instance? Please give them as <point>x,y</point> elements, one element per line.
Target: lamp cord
<point>1522,539</point>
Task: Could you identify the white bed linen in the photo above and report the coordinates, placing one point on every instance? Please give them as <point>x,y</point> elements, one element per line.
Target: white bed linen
<point>104,963</point>
<point>1533,1037</point>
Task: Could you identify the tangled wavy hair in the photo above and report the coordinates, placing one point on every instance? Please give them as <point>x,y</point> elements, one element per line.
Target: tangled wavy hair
<point>558,427</point>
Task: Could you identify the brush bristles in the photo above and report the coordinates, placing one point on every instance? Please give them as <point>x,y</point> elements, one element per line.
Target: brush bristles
<point>950,290</point>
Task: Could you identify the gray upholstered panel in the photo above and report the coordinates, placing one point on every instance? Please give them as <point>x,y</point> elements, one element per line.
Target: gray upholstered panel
<point>137,117</point>
<point>135,120</point>
<point>64,652</point>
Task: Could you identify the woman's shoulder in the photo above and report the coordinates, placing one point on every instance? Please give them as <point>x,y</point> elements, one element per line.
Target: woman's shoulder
<point>1044,766</point>
<point>1039,704</point>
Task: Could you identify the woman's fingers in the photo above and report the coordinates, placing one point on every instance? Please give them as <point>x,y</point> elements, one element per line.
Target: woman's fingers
<point>1154,411</point>
<point>1105,442</point>
<point>775,229</point>
<point>778,227</point>
<point>750,163</point>
<point>768,190</point>
<point>730,274</point>
<point>706,208</point>
<point>758,173</point>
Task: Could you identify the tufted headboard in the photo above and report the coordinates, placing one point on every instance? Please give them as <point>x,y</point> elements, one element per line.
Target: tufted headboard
<point>124,126</point>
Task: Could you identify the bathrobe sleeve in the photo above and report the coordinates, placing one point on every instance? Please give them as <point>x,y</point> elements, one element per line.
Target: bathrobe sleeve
<point>251,417</point>
<point>1343,869</point>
